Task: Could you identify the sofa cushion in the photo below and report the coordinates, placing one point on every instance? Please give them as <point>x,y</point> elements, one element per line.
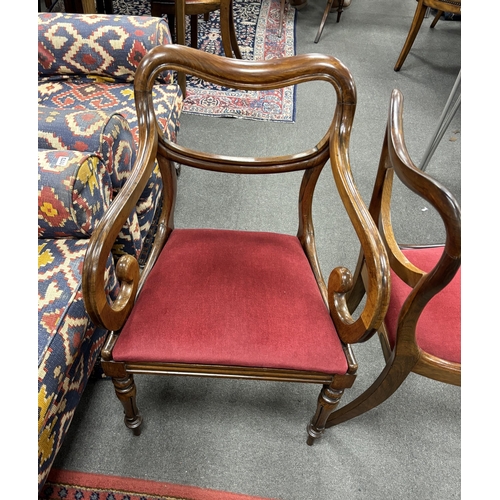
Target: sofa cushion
<point>74,192</point>
<point>109,136</point>
<point>94,131</point>
<point>112,46</point>
<point>97,94</point>
<point>87,93</point>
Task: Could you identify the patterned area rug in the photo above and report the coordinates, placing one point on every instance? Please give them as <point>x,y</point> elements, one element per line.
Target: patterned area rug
<point>83,486</point>
<point>257,30</point>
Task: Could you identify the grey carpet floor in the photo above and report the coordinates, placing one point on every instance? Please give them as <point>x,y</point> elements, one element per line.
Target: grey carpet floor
<point>249,437</point>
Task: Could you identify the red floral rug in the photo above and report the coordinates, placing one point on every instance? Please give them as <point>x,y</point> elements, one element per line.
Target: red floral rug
<point>257,29</point>
<point>69,485</point>
<point>258,34</point>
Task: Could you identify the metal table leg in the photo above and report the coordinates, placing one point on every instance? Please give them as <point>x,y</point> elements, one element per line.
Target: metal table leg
<point>445,119</point>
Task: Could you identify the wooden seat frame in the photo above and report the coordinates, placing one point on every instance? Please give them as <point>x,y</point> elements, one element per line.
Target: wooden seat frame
<point>244,75</point>
<point>406,356</point>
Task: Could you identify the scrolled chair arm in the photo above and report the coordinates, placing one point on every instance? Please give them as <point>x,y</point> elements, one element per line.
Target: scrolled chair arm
<point>341,282</point>
<point>103,312</point>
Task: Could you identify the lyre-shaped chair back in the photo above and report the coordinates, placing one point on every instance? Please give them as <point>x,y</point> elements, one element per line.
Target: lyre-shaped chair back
<point>238,304</point>
<point>421,332</point>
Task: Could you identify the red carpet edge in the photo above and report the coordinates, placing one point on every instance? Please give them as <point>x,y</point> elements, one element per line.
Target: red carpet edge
<point>129,488</point>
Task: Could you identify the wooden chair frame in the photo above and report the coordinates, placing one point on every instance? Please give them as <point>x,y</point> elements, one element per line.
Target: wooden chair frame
<point>406,356</point>
<point>227,26</point>
<point>441,6</point>
<point>245,75</point>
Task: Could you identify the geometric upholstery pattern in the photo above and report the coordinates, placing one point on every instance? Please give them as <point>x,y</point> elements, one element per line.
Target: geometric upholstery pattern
<point>90,130</point>
<point>68,343</point>
<point>109,137</point>
<point>74,192</point>
<point>87,139</point>
<point>95,94</point>
<point>110,46</point>
<point>438,330</point>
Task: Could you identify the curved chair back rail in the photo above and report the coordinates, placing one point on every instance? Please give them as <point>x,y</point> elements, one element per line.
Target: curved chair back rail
<point>333,146</point>
<point>404,353</point>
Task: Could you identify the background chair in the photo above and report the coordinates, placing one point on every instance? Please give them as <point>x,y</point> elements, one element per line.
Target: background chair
<point>176,12</point>
<point>231,303</point>
<point>328,8</point>
<point>194,8</point>
<point>421,333</point>
<point>453,6</point>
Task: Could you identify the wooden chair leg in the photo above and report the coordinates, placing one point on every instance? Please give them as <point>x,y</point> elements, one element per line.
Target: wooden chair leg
<point>282,15</point>
<point>228,34</point>
<point>232,33</point>
<point>384,387</point>
<point>89,7</point>
<point>126,391</point>
<point>328,400</point>
<point>323,20</point>
<point>415,27</point>
<point>438,15</point>
<point>194,31</point>
<point>180,28</point>
<point>341,9</point>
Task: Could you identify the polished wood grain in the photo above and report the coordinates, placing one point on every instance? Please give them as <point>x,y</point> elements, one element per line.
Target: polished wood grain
<point>453,6</point>
<point>406,356</point>
<point>333,147</point>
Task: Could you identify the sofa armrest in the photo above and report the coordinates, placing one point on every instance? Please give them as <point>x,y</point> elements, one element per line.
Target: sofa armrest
<point>74,192</point>
<point>95,131</point>
<point>105,45</point>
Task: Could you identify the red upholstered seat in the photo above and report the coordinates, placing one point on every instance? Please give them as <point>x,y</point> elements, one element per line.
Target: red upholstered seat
<point>438,329</point>
<point>255,303</point>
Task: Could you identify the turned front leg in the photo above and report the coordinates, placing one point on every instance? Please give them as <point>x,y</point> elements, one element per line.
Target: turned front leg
<point>126,391</point>
<point>328,400</point>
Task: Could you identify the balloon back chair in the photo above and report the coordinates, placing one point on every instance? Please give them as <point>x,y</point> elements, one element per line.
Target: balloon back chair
<point>421,332</point>
<point>232,303</point>
<point>453,6</point>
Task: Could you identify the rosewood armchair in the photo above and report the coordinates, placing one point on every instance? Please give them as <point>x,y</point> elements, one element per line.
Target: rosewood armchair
<point>232,303</point>
<point>421,332</point>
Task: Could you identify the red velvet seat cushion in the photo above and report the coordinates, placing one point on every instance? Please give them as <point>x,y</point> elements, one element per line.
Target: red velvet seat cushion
<point>439,326</point>
<point>234,298</point>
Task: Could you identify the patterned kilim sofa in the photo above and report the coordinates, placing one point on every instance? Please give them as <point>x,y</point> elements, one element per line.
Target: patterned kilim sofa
<point>87,140</point>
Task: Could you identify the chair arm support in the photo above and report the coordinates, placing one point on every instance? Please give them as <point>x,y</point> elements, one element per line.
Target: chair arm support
<point>437,195</point>
<point>113,316</point>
